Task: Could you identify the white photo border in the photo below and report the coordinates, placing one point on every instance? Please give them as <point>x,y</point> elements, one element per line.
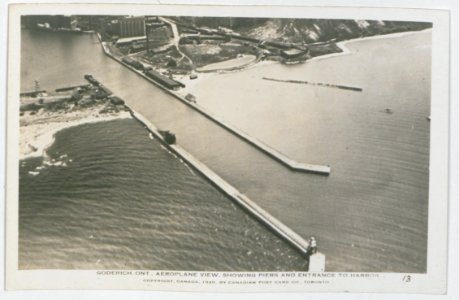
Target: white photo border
<point>432,282</point>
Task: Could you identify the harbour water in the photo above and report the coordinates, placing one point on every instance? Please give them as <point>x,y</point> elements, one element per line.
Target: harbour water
<point>369,215</point>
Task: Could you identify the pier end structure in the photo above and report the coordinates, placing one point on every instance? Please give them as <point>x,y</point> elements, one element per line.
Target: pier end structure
<point>317,262</point>
<point>278,156</point>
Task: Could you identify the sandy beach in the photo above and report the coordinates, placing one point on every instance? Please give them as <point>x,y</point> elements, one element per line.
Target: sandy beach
<point>345,50</point>
<point>37,131</point>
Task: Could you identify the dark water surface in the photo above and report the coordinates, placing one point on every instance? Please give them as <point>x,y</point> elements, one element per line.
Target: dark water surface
<point>122,201</point>
<point>369,215</point>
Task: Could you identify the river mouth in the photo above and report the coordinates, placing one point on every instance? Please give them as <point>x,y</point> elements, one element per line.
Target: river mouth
<point>380,164</point>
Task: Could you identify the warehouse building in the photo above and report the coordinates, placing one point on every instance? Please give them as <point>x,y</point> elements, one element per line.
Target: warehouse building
<point>164,80</point>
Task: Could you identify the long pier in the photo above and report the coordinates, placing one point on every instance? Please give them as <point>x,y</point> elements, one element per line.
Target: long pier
<point>316,262</point>
<point>251,207</point>
<point>278,156</point>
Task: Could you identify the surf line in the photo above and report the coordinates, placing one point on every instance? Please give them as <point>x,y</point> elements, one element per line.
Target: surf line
<point>343,87</point>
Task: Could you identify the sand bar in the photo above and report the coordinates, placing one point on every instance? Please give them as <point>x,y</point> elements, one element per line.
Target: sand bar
<point>37,131</point>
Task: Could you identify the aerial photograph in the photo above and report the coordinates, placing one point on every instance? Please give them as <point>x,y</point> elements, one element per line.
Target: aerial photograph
<point>223,144</point>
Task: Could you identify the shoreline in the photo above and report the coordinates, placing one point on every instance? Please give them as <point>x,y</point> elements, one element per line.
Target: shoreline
<point>189,83</point>
<point>37,132</point>
<point>345,50</point>
<point>342,45</point>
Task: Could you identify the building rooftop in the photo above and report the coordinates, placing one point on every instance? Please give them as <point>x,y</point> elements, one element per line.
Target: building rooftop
<point>293,52</point>
<point>131,39</point>
<point>164,79</point>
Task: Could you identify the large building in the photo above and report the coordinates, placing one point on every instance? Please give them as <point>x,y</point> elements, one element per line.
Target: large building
<point>165,81</point>
<point>131,26</point>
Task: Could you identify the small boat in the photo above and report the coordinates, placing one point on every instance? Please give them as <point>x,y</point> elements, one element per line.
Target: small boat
<point>388,111</point>
<point>428,118</point>
<point>168,136</point>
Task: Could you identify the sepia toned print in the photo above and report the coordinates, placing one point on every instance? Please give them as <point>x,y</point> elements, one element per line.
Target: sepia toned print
<point>205,144</point>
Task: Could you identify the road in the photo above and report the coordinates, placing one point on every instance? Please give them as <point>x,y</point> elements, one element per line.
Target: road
<point>176,37</point>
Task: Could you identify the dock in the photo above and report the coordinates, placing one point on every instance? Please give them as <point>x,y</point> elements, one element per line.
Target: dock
<point>32,93</point>
<point>278,156</point>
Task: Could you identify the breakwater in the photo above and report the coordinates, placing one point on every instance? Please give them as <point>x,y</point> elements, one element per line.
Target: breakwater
<point>277,227</point>
<point>278,156</point>
<point>343,87</point>
<point>273,224</point>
